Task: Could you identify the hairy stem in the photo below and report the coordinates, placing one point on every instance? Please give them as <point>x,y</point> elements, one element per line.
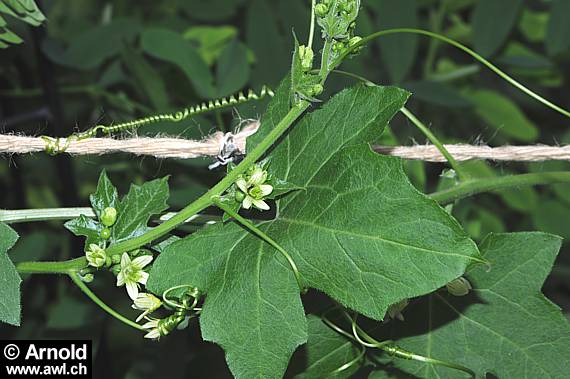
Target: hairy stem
<point>83,287</point>
<point>433,139</point>
<point>249,225</point>
<point>476,186</point>
<point>461,47</point>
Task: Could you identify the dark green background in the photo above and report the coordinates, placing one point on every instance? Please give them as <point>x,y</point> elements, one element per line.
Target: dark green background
<point>102,62</point>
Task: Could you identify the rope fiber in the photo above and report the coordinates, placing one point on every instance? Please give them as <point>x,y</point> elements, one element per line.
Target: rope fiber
<point>161,147</point>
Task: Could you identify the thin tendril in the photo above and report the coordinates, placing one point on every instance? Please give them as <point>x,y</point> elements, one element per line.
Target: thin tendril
<point>249,225</point>
<point>194,293</point>
<point>83,287</point>
<point>365,340</point>
<point>56,146</point>
<point>351,363</point>
<point>462,47</point>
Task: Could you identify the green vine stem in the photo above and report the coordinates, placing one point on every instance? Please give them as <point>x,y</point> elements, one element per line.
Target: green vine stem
<point>9,216</point>
<point>83,287</point>
<point>433,139</point>
<point>476,186</point>
<point>249,225</point>
<point>460,46</point>
<point>69,267</point>
<point>312,27</point>
<point>206,200</point>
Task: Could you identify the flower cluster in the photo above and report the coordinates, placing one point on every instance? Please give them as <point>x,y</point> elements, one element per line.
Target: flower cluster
<point>252,188</point>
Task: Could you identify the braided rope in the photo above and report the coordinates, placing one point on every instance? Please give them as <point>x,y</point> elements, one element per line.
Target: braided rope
<point>210,146</point>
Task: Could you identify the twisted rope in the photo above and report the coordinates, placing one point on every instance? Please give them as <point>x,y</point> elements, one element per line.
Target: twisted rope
<point>210,146</point>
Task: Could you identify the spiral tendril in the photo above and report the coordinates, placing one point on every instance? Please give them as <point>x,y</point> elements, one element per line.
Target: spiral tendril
<point>55,146</point>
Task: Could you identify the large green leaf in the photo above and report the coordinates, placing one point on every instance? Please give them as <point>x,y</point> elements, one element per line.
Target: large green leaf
<point>105,196</point>
<point>359,232</point>
<point>492,22</point>
<point>505,326</point>
<point>10,308</point>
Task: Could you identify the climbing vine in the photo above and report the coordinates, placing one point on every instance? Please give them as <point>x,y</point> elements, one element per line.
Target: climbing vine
<point>312,207</point>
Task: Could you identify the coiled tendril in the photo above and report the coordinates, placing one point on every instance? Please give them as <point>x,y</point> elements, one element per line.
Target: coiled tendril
<point>55,146</point>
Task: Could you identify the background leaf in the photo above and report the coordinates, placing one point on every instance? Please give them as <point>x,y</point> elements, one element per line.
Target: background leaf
<point>170,46</point>
<point>398,51</point>
<point>557,40</point>
<point>492,22</point>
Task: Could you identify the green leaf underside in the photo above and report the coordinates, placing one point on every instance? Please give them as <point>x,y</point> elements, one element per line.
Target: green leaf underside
<point>133,211</point>
<point>325,352</point>
<point>9,279</point>
<point>105,195</point>
<point>85,226</point>
<point>136,208</point>
<point>505,326</point>
<point>360,232</point>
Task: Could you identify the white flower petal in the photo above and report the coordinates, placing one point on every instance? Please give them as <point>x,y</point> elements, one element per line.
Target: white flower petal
<point>120,279</point>
<point>150,324</point>
<point>132,289</point>
<point>266,189</point>
<point>142,261</point>
<point>142,315</point>
<point>242,184</point>
<point>153,334</point>
<point>261,205</point>
<point>246,204</point>
<point>125,260</point>
<point>143,277</point>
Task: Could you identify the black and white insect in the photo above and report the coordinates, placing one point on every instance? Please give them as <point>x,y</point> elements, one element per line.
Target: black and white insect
<point>229,152</point>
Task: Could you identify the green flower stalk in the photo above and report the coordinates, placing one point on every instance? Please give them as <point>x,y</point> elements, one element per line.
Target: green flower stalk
<point>132,273</point>
<point>96,256</point>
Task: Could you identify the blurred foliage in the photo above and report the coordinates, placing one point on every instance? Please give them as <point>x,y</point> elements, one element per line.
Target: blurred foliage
<point>108,61</point>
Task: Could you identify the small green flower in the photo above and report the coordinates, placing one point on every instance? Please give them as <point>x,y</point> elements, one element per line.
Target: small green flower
<point>109,216</point>
<point>459,287</point>
<point>147,303</point>
<point>132,273</point>
<point>153,327</point>
<point>321,10</point>
<point>252,188</point>
<point>96,256</point>
<point>105,233</point>
<point>306,54</point>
